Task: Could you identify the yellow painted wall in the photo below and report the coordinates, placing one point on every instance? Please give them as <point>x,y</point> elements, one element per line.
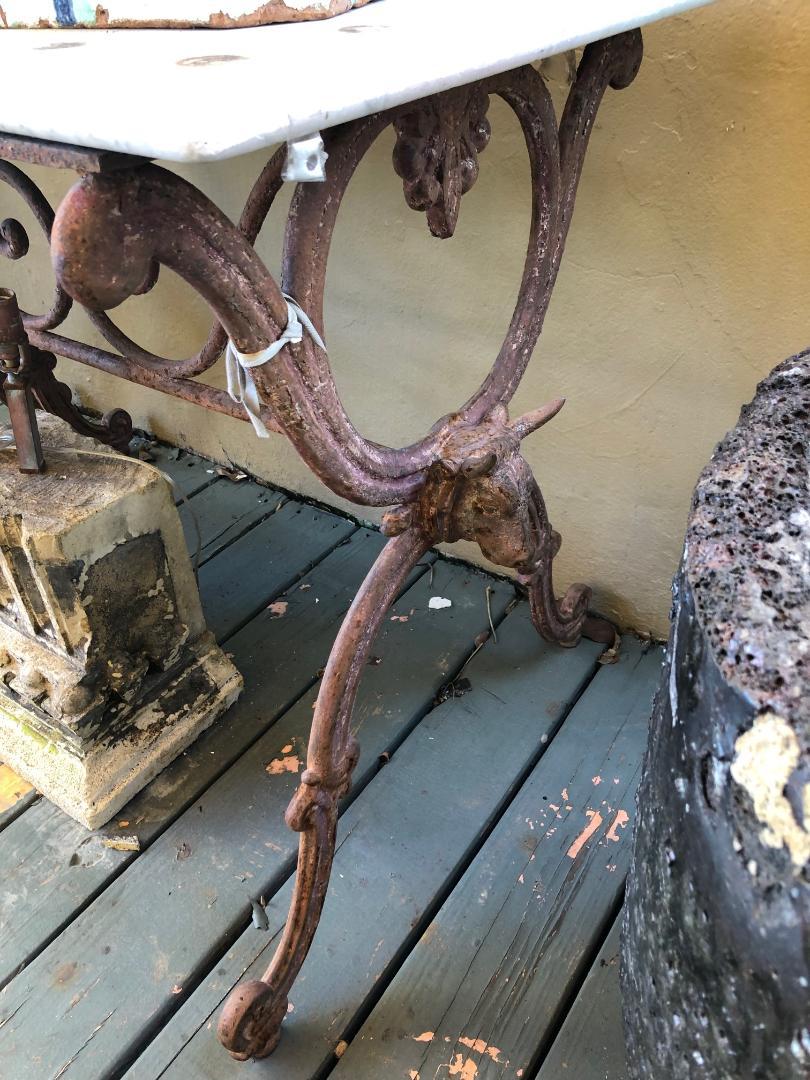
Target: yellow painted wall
<point>684,282</point>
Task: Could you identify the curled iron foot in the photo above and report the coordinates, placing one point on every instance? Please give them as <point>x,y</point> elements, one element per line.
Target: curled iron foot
<point>250,1024</point>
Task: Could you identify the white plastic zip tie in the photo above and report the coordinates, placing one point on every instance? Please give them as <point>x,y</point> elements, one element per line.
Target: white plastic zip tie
<point>241,387</point>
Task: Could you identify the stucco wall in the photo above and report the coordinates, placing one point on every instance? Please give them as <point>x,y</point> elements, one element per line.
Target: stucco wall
<point>684,282</point>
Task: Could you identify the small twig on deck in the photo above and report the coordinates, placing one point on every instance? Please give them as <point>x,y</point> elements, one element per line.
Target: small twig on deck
<point>489,614</point>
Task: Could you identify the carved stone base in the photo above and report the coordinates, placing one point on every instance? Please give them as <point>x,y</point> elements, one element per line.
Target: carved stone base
<point>107,669</point>
<point>92,786</point>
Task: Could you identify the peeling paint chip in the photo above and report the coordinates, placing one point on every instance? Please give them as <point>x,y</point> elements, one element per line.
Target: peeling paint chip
<point>481,1046</point>
<point>290,763</point>
<point>426,1036</point>
<point>463,1068</point>
<point>435,603</point>
<point>621,819</point>
<point>278,608</point>
<point>586,834</point>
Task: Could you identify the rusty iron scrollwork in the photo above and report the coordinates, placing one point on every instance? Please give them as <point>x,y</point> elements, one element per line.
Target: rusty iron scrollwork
<point>466,479</point>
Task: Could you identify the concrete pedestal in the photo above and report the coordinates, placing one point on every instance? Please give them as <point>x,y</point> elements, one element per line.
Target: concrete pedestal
<point>107,670</point>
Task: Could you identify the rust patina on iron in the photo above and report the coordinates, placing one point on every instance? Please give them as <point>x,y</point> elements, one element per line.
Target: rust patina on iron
<point>466,479</point>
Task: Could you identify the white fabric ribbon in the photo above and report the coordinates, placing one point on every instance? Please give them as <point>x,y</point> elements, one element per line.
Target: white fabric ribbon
<point>241,387</point>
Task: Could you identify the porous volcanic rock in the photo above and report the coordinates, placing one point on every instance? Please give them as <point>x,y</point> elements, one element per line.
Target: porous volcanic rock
<point>716,936</point>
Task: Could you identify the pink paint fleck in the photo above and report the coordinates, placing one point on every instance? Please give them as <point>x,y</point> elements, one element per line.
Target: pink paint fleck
<point>586,834</point>
<point>564,794</point>
<point>619,822</point>
<point>480,1046</point>
<point>520,879</point>
<point>596,780</point>
<point>553,807</point>
<point>278,608</point>
<point>291,763</point>
<point>463,1068</point>
<point>426,1036</point>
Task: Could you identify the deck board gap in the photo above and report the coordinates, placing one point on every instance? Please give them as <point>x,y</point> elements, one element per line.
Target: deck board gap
<point>238,535</point>
<point>189,474</point>
<point>568,1001</point>
<point>590,1045</point>
<point>20,806</point>
<point>253,524</point>
<point>285,586</point>
<point>407,730</point>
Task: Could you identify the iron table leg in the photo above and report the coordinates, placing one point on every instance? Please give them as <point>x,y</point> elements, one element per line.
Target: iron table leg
<point>466,479</point>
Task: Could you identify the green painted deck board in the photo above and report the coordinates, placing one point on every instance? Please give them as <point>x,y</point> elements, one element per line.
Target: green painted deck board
<point>485,983</point>
<point>223,511</point>
<point>265,561</point>
<point>590,1045</point>
<point>239,847</point>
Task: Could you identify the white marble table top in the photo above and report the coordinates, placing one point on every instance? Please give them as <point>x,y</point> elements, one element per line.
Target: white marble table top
<point>204,95</point>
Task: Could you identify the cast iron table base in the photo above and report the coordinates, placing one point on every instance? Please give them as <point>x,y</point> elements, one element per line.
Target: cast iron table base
<point>465,480</point>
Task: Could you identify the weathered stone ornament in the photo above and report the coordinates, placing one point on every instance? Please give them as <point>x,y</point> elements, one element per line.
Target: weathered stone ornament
<point>715,956</point>
<point>107,670</point>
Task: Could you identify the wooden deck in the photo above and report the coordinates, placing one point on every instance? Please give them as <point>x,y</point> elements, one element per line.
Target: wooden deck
<point>470,930</point>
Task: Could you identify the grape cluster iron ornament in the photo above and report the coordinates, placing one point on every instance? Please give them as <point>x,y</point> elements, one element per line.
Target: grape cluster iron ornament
<point>466,479</point>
